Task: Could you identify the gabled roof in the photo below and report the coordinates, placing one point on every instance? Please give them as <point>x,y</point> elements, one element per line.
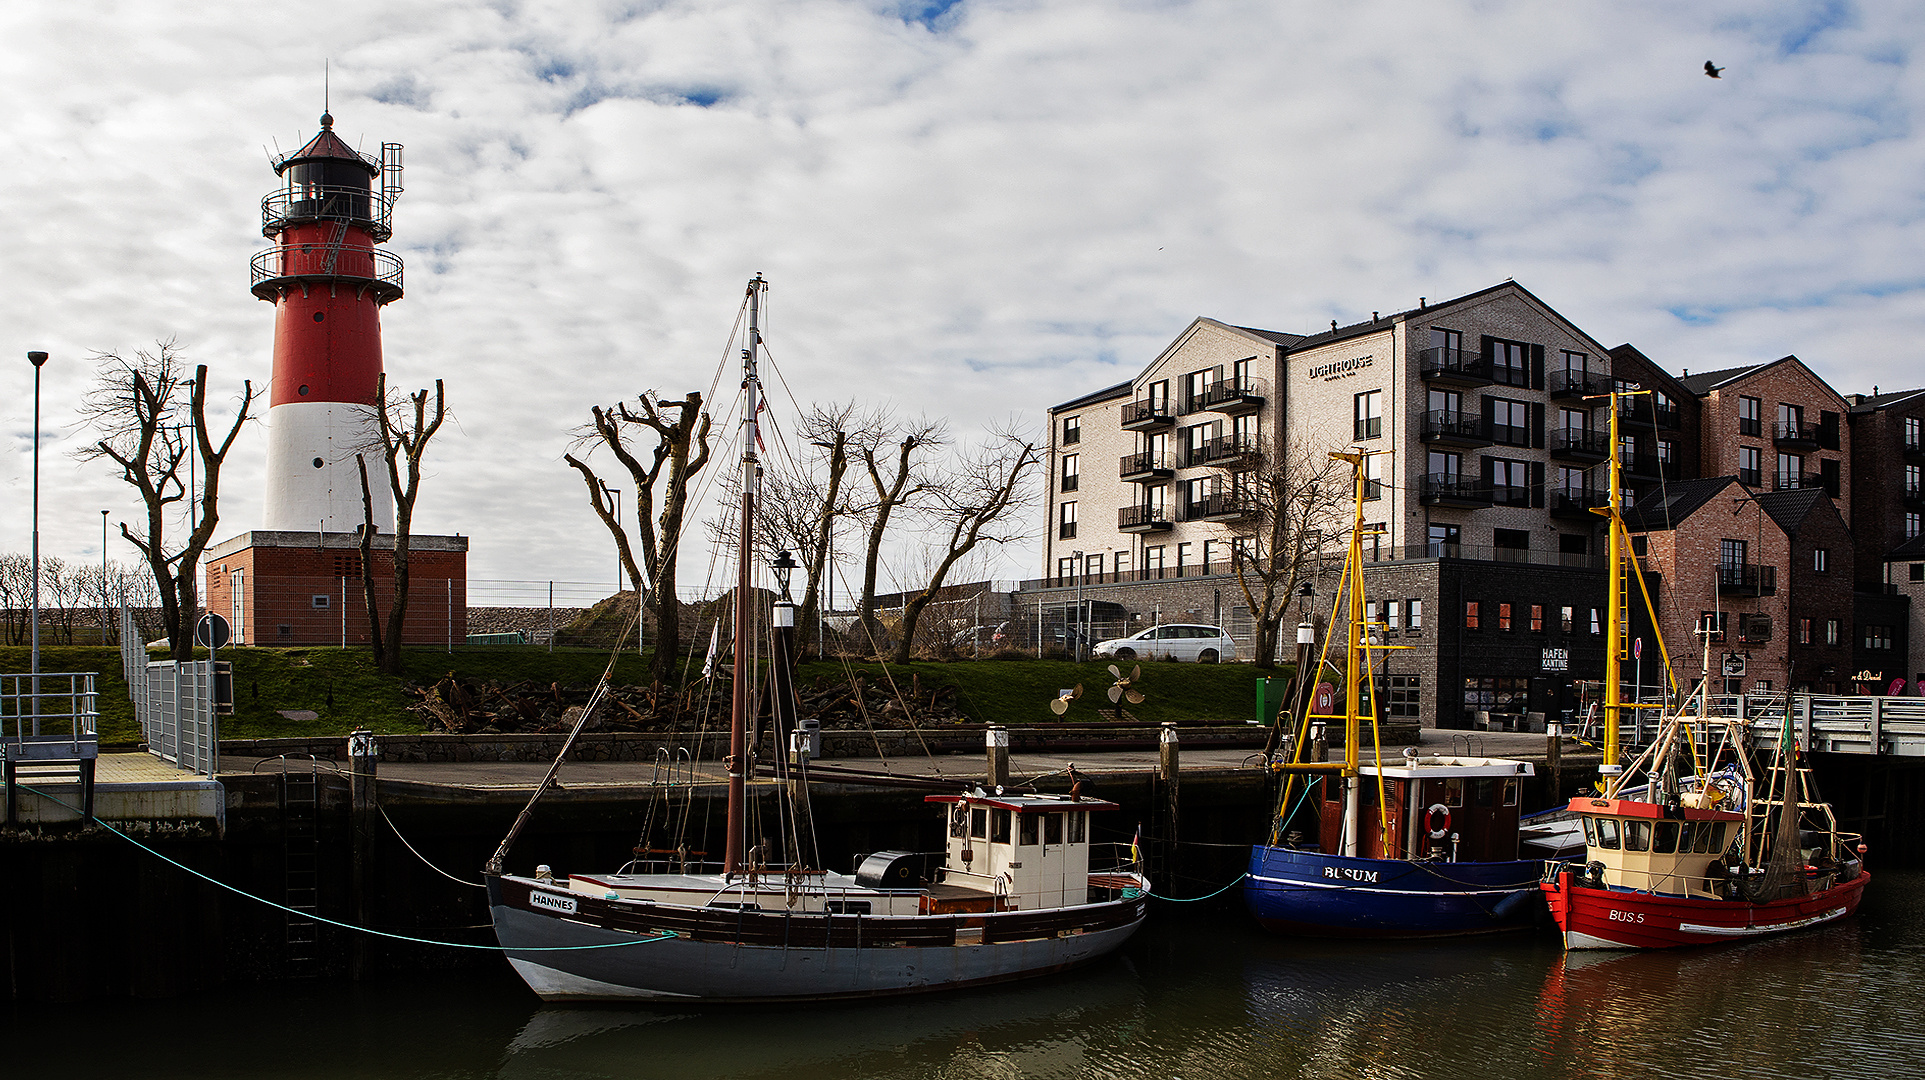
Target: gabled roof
<point>1371,326</point>
<point>1912,550</point>
<point>1873,402</point>
<point>1671,381</point>
<point>1680,501</point>
<point>1122,389</point>
<point>1790,508</point>
<point>1705,382</point>
<point>1277,336</point>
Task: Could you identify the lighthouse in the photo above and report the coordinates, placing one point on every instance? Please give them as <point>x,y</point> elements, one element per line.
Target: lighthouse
<point>328,280</point>
<point>298,580</point>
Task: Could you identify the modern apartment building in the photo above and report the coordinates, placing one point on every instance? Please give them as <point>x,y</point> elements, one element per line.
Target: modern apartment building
<point>1888,474</point>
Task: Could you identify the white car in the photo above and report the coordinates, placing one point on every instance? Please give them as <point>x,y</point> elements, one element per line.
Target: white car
<point>1172,641</point>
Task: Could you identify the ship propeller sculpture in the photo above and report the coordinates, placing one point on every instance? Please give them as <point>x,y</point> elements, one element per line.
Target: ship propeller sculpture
<point>1122,691</point>
<point>1060,703</point>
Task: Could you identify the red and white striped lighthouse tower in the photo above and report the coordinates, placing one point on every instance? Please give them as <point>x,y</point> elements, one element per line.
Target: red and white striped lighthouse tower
<point>328,283</point>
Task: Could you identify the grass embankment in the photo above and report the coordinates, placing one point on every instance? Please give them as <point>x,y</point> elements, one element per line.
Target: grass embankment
<point>344,692</point>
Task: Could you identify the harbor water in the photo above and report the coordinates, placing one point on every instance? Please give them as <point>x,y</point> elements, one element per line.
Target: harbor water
<point>1200,993</point>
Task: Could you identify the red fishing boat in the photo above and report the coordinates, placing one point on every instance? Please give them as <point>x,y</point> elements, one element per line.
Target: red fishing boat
<point>1686,845</point>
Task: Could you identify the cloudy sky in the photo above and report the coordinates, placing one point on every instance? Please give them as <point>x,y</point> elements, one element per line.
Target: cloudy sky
<point>971,209</point>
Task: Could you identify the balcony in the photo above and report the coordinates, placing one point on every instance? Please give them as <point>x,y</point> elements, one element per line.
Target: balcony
<point>1147,415</point>
<point>1643,466</point>
<point>1448,489</point>
<point>1231,452</point>
<point>1797,482</point>
<point>1667,416</point>
<point>1234,396</point>
<point>371,210</point>
<point>1747,579</point>
<point>1223,506</point>
<point>1576,445</point>
<point>1145,467</point>
<point>1794,436</point>
<point>1446,428</point>
<point>1143,519</point>
<point>1578,384</point>
<point>1510,495</point>
<point>289,266</point>
<point>1453,367</point>
<point>1576,502</point>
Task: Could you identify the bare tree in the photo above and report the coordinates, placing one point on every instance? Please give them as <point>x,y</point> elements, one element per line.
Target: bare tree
<point>680,430</point>
<point>1295,505</point>
<point>16,594</point>
<point>802,500</point>
<point>894,460</point>
<point>979,503</point>
<point>401,432</point>
<point>134,409</point>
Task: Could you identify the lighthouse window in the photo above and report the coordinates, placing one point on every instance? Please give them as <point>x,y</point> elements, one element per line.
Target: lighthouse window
<point>318,463</point>
<point>303,389</point>
<point>319,600</point>
<point>319,315</point>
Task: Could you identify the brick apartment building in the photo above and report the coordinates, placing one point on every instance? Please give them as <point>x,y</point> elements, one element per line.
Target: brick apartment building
<point>1487,560</point>
<point>1888,469</point>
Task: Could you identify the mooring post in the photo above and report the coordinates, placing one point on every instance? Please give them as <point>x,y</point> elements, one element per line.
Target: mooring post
<point>363,755</point>
<point>996,743</point>
<point>1168,766</point>
<point>1554,756</point>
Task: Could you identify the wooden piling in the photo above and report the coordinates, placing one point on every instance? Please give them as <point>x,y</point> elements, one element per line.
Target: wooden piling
<point>996,743</point>
<point>363,756</point>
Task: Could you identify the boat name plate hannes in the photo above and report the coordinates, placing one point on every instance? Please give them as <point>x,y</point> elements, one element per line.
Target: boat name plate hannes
<point>1345,873</point>
<point>551,902</point>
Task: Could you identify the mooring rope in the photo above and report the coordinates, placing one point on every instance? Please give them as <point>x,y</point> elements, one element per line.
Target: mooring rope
<point>1206,896</point>
<point>331,922</point>
<point>423,858</point>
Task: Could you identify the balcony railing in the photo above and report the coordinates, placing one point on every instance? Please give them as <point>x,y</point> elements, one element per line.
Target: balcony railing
<point>1142,519</point>
<point>1454,366</point>
<point>1760,580</point>
<point>1667,417</point>
<point>1505,375</point>
<point>370,209</point>
<point>1577,383</point>
<point>1231,452</point>
<point>373,268</point>
<point>1222,506</point>
<point>1448,489</point>
<point>1235,395</point>
<point>1795,434</point>
<point>1510,495</point>
<point>1145,465</point>
<point>1147,413</point>
<point>1472,553</point>
<point>1796,481</point>
<point>1585,445</point>
<point>1576,502</point>
<point>1456,428</point>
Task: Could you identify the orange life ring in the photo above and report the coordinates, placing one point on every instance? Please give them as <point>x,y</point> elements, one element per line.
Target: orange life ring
<point>1437,832</point>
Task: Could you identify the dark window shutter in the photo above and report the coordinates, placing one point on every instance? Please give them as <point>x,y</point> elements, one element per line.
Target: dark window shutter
<point>1537,367</point>
<point>1484,346</point>
<point>1828,474</point>
<point>1537,426</point>
<point>1537,484</point>
<point>1828,430</point>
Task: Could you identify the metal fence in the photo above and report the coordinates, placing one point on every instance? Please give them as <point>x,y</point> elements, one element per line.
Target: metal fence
<point>52,715</point>
<point>174,703</point>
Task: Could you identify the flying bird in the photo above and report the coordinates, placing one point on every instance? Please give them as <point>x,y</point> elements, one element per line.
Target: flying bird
<point>1711,69</point>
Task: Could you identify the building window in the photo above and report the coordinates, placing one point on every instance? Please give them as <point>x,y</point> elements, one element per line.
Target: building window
<point>1401,695</point>
<point>1367,411</point>
<point>1393,615</point>
<point>1373,476</point>
<point>1911,524</point>
<point>1072,430</point>
<point>319,601</point>
<point>1470,615</point>
<point>1750,416</point>
<point>1831,631</point>
<point>1414,609</point>
<point>1750,466</point>
<point>1072,471</point>
<point>1914,482</point>
<point>1878,637</point>
<point>1373,613</point>
<point>1508,364</point>
<point>1821,560</point>
<point>1093,568</point>
<point>1564,615</point>
<point>1510,422</point>
<point>1449,345</point>
<point>1597,621</point>
<point>1196,388</point>
<point>1574,421</point>
<point>1182,558</point>
<point>1511,545</point>
<point>1917,571</point>
<point>1537,618</point>
<point>1066,521</point>
<point>1914,436</point>
<point>1791,471</point>
<point>1120,564</point>
<point>1804,631</point>
<point>1444,541</point>
<point>1667,453</point>
<point>1153,562</point>
<point>1503,616</point>
<point>1065,570</point>
<point>1510,481</point>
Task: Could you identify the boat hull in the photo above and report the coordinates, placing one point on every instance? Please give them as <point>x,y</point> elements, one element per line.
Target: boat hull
<point>1310,893</point>
<point>675,953</point>
<point>1620,919</point>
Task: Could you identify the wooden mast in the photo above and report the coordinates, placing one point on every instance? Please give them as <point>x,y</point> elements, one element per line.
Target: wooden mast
<point>740,763</point>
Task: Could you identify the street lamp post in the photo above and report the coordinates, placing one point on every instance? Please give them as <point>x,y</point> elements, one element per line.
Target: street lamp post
<point>1078,556</point>
<point>103,577</point>
<point>36,359</point>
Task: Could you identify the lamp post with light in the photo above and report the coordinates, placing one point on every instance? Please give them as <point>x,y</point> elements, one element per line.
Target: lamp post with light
<point>37,359</point>
<point>103,577</point>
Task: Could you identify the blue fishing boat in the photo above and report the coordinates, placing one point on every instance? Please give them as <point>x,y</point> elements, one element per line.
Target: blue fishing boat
<point>1421,847</point>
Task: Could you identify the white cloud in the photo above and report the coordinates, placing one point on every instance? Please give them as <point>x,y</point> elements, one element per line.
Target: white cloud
<point>1002,208</point>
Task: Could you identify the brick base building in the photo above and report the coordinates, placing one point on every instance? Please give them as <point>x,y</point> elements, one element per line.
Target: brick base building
<point>292,588</point>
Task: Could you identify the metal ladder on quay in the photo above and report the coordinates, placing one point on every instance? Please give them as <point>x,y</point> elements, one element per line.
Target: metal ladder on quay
<point>300,842</point>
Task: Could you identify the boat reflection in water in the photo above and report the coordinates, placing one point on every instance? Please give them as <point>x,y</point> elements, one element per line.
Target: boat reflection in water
<point>1057,1027</point>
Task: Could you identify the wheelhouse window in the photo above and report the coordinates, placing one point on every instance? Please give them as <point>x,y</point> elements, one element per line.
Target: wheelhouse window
<point>1028,829</point>
<point>999,826</point>
<point>1052,828</point>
